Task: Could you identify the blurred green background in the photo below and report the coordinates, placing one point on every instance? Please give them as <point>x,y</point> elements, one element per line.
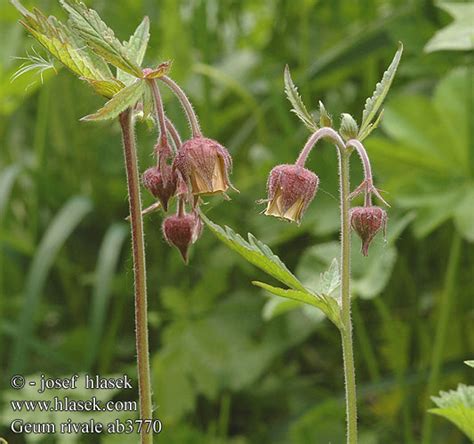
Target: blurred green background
<point>227,366</point>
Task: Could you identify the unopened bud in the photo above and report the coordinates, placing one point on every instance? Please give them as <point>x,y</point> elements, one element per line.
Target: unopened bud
<point>163,190</point>
<point>367,222</point>
<point>181,231</point>
<point>291,188</point>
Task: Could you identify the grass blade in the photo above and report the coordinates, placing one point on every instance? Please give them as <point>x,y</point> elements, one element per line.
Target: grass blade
<point>67,219</point>
<point>109,254</point>
<point>7,179</point>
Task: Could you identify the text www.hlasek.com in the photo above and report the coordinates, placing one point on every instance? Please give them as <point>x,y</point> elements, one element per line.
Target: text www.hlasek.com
<point>71,405</point>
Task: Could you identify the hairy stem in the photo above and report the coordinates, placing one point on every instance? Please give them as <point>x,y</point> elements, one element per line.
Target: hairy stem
<point>444,311</point>
<point>368,184</point>
<point>165,125</point>
<point>346,332</point>
<point>173,132</point>
<point>139,271</point>
<point>354,143</point>
<point>160,112</point>
<point>186,104</point>
<point>313,139</point>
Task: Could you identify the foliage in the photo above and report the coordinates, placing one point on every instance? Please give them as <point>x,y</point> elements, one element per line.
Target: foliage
<point>459,35</point>
<point>228,375</point>
<point>432,138</point>
<point>458,407</point>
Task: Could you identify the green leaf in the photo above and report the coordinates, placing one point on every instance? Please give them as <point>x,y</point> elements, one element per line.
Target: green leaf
<point>96,34</point>
<point>277,306</point>
<point>62,44</point>
<point>106,88</point>
<point>464,215</point>
<point>138,42</point>
<point>330,279</point>
<point>136,48</point>
<point>298,106</point>
<point>469,363</point>
<point>124,99</point>
<point>257,253</point>
<point>326,304</point>
<point>370,274</point>
<point>457,36</point>
<point>320,424</point>
<point>373,104</point>
<point>349,128</point>
<point>457,406</point>
<point>371,127</point>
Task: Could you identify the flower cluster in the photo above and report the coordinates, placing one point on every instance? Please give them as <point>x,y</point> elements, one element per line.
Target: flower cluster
<point>185,171</point>
<point>291,188</point>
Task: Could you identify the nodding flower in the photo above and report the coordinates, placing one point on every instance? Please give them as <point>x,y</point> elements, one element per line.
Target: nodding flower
<point>366,222</point>
<point>291,188</point>
<point>181,231</point>
<point>163,190</point>
<point>205,165</point>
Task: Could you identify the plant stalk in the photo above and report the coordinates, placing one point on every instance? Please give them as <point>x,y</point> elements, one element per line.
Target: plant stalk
<point>139,271</point>
<point>159,111</point>
<point>444,312</point>
<point>185,103</point>
<point>346,332</point>
<point>321,133</point>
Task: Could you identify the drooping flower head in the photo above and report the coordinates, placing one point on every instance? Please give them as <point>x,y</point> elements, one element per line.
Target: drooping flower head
<point>205,165</point>
<point>366,222</point>
<point>181,231</point>
<point>291,188</point>
<point>163,190</point>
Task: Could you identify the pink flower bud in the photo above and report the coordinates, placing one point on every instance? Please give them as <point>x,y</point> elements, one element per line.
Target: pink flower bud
<point>205,165</point>
<point>163,190</point>
<point>181,231</point>
<point>366,222</point>
<point>290,188</point>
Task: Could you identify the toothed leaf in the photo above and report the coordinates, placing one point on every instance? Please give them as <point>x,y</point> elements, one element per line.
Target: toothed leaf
<point>95,33</point>
<point>326,304</point>
<point>457,406</point>
<point>136,48</point>
<point>106,88</point>
<point>63,45</point>
<point>373,104</point>
<point>298,106</point>
<point>124,99</point>
<point>257,253</point>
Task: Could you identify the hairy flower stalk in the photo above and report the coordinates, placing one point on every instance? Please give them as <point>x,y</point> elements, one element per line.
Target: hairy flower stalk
<point>89,48</point>
<point>367,185</point>
<point>186,104</point>
<point>287,188</point>
<point>139,271</point>
<point>291,188</point>
<point>173,132</point>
